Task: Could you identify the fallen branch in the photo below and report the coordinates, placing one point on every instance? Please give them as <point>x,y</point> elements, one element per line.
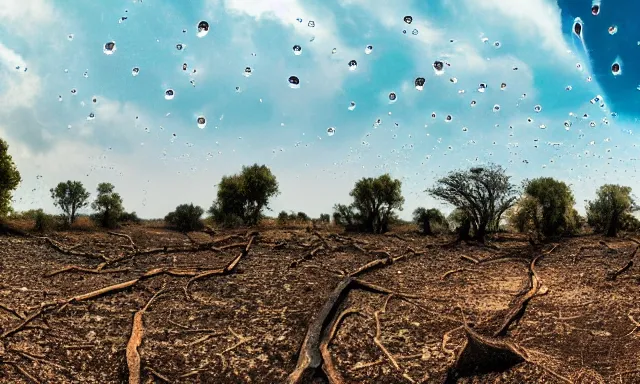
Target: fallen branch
<point>75,268</point>
<point>71,252</point>
<point>376,339</point>
<point>328,367</point>
<point>137,331</point>
<point>451,272</point>
<point>21,370</point>
<point>11,311</point>
<point>123,235</point>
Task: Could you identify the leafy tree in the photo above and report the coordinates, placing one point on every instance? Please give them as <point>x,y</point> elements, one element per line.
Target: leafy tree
<point>283,218</point>
<point>460,223</point>
<point>426,217</point>
<point>70,197</point>
<point>374,202</point>
<point>301,216</point>
<point>242,197</point>
<point>185,218</point>
<point>483,193</point>
<point>608,211</point>
<point>9,178</point>
<point>43,221</point>
<point>525,215</point>
<point>129,217</point>
<point>325,218</point>
<point>108,204</point>
<point>555,201</point>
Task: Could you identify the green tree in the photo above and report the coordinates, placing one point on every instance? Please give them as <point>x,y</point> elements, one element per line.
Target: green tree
<point>9,178</point>
<point>374,203</point>
<point>185,218</point>
<point>556,202</point>
<point>70,197</point>
<point>242,197</point>
<point>608,211</point>
<point>483,193</point>
<point>108,204</point>
<point>325,218</point>
<point>301,216</point>
<point>283,218</point>
<point>426,218</point>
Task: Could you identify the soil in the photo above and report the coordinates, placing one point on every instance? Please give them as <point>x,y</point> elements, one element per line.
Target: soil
<point>279,306</point>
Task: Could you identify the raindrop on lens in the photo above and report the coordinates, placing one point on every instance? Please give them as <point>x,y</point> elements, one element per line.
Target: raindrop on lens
<point>503,86</point>
<point>433,115</point>
<point>438,67</point>
<point>203,29</point>
<point>179,46</point>
<point>169,94</point>
<point>392,96</point>
<point>419,83</point>
<point>537,108</point>
<point>496,108</point>
<point>577,27</point>
<point>368,49</point>
<point>311,24</point>
<point>448,118</point>
<point>352,106</point>
<point>592,124</point>
<point>297,50</point>
<point>595,10</point>
<point>453,80</point>
<point>414,32</point>
<point>109,48</point>
<point>294,82</point>
<point>482,87</point>
<point>73,91</point>
<point>408,19</point>
<point>202,122</point>
<point>473,103</point>
<point>91,116</point>
<point>567,124</point>
<point>135,71</point>
<point>331,131</point>
<point>353,65</point>
<point>70,37</point>
<point>247,72</point>
<point>615,68</point>
<point>613,30</point>
<point>496,44</point>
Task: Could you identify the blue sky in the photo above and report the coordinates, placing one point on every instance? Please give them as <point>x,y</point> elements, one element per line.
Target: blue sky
<point>155,154</point>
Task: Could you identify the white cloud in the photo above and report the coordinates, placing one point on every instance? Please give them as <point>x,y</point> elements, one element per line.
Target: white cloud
<point>21,88</point>
<point>27,18</point>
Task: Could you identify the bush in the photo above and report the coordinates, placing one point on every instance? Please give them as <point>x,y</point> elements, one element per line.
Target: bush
<point>43,222</point>
<point>129,218</point>
<point>186,218</point>
<point>325,218</point>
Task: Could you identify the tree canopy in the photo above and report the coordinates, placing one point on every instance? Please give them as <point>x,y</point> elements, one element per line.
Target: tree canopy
<point>9,178</point>
<point>70,196</point>
<point>426,218</point>
<point>607,212</point>
<point>186,217</point>
<point>242,197</point>
<point>483,193</point>
<point>108,205</point>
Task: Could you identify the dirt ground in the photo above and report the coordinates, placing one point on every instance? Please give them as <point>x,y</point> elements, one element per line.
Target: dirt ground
<point>294,306</point>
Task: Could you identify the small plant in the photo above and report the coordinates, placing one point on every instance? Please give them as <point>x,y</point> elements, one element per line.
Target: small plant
<point>185,218</point>
<point>43,222</point>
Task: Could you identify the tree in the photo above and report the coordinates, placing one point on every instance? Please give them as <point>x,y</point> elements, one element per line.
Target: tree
<point>70,197</point>
<point>242,197</point>
<point>301,216</point>
<point>325,218</point>
<point>426,217</point>
<point>9,178</point>
<point>608,211</point>
<point>374,202</point>
<point>108,204</point>
<point>555,201</point>
<point>483,193</point>
<point>185,218</point>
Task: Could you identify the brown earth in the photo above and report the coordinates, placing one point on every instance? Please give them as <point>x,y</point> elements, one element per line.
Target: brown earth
<point>261,307</point>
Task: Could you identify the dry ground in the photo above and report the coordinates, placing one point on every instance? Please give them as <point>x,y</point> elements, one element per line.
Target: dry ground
<point>286,306</point>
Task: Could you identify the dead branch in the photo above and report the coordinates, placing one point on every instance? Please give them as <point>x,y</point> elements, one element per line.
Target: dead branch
<point>328,366</point>
<point>11,311</point>
<point>614,274</point>
<point>158,375</point>
<point>137,331</point>
<point>21,370</point>
<point>451,272</point>
<point>124,235</point>
<point>376,339</point>
<point>75,268</point>
<point>307,256</point>
<point>469,258</point>
<point>71,252</point>
<point>364,285</point>
<point>241,340</point>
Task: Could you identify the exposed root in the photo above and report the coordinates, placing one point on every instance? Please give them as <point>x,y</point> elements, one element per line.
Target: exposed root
<point>328,366</point>
<point>124,235</point>
<point>614,274</point>
<point>445,340</point>
<point>137,331</point>
<point>75,268</point>
<point>71,252</point>
<point>21,370</point>
<point>471,259</point>
<point>365,285</point>
<point>11,311</point>
<point>451,272</point>
<point>307,256</point>
<point>376,339</point>
<point>158,375</point>
<point>360,365</point>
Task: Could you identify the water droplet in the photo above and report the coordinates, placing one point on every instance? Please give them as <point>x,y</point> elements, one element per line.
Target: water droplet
<point>297,50</point>
<point>353,65</point>
<point>408,19</point>
<point>615,68</point>
<point>352,106</point>
<point>169,94</point>
<point>465,129</point>
<point>179,46</point>
<point>568,88</point>
<point>592,124</point>
<point>202,122</point>
<point>595,9</point>
<point>419,83</point>
<point>613,30</point>
<point>542,126</point>
<point>85,74</point>
<point>503,86</point>
<point>473,103</point>
<point>247,72</point>
<point>392,97</point>
<point>74,91</point>
<point>70,36</point>
<point>331,131</point>
<point>91,116</point>
<point>94,99</point>
<point>577,27</point>
<point>537,108</point>
<point>109,48</point>
<point>482,87</point>
<point>497,44</point>
<point>203,29</point>
<point>433,115</point>
<point>184,66</point>
<point>294,82</point>
<point>529,120</point>
<point>59,97</point>
<point>311,24</point>
<point>448,118</point>
<point>414,32</point>
<point>438,67</point>
<point>496,108</point>
<point>404,31</point>
<point>453,80</point>
<point>368,49</point>
<point>135,71</point>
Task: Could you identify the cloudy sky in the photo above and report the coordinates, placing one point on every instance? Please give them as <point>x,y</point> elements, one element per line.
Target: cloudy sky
<point>550,105</point>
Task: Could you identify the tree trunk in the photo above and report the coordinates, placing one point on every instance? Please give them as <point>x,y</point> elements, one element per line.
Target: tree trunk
<point>463,230</point>
<point>612,231</point>
<point>480,233</point>
<point>426,227</point>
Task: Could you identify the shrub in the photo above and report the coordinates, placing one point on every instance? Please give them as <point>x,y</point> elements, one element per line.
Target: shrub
<point>186,218</point>
<point>43,221</point>
<point>129,218</point>
<point>606,213</point>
